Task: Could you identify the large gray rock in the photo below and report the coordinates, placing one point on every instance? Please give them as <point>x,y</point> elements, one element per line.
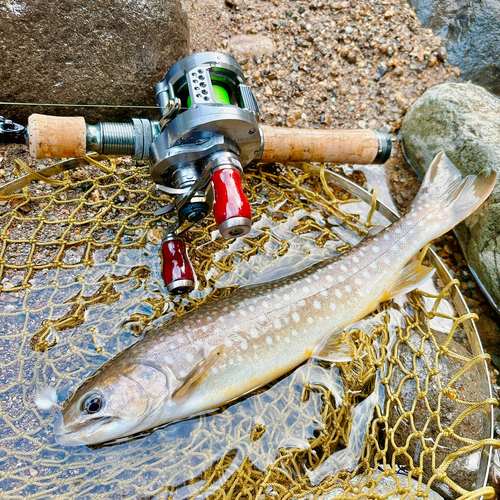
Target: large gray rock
<point>471,31</point>
<point>464,469</point>
<point>91,52</point>
<point>463,120</point>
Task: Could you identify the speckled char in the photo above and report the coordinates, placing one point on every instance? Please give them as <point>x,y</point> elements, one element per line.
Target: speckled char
<point>237,344</point>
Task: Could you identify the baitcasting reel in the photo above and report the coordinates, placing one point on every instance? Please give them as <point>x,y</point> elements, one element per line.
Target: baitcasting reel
<point>207,134</point>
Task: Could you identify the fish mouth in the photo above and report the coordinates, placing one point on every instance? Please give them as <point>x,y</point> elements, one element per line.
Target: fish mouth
<point>67,437</point>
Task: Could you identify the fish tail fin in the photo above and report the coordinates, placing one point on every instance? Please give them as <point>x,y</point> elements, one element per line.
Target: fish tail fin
<point>449,195</point>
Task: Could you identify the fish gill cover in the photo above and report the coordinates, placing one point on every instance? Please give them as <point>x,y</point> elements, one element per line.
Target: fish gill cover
<point>80,280</point>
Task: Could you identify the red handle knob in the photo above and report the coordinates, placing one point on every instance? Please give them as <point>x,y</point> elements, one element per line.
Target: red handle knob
<point>177,271</point>
<point>231,208</point>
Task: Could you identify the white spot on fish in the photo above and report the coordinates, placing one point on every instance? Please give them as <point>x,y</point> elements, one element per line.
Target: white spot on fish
<point>255,356</point>
<point>306,289</point>
<point>296,317</point>
<point>375,249</point>
<point>286,297</point>
<point>317,304</point>
<point>338,293</point>
<point>348,289</point>
<point>182,373</point>
<point>243,312</point>
<point>244,345</point>
<point>278,338</point>
<point>308,280</point>
<point>262,318</point>
<point>277,323</point>
<point>333,306</point>
<point>239,358</point>
<point>324,293</point>
<point>189,357</point>
<point>341,278</point>
<point>387,261</point>
<point>386,237</point>
<point>295,333</point>
<point>214,369</point>
<point>355,258</point>
<point>310,320</point>
<point>254,333</point>
<point>168,359</point>
<point>397,230</point>
<point>403,240</point>
<point>287,340</point>
<point>232,313</point>
<point>329,278</point>
<point>358,281</point>
<point>366,273</point>
<point>229,343</point>
<point>343,268</point>
<point>412,231</point>
<point>301,302</point>
<point>395,247</point>
<point>269,340</point>
<point>373,265</point>
<point>236,327</point>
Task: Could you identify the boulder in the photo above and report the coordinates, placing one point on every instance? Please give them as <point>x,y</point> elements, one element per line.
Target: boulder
<point>471,33</point>
<point>90,52</point>
<point>463,120</point>
<point>415,376</point>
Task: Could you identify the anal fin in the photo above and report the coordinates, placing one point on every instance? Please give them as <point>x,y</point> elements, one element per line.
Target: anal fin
<point>333,350</point>
<point>411,277</point>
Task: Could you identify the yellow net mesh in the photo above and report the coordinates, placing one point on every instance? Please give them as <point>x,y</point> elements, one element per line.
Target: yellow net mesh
<point>80,279</point>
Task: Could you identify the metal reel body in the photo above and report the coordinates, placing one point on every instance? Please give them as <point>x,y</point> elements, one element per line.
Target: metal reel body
<point>207,134</point>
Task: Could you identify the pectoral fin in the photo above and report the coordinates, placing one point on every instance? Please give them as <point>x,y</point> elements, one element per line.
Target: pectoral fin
<point>197,373</point>
<point>411,277</point>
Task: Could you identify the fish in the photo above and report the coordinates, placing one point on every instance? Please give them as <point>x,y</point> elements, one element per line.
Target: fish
<point>228,348</point>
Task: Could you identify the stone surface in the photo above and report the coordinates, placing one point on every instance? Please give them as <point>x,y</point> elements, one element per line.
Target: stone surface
<point>384,486</point>
<point>247,46</point>
<point>463,120</point>
<point>462,470</point>
<point>91,52</point>
<point>471,31</point>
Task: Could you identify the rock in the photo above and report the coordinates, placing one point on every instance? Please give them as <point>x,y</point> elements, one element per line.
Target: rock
<point>91,52</point>
<point>384,486</point>
<point>463,120</point>
<point>462,470</point>
<point>471,31</point>
<point>250,46</point>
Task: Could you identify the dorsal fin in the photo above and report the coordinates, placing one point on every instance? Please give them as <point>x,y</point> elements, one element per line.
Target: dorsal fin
<point>197,373</point>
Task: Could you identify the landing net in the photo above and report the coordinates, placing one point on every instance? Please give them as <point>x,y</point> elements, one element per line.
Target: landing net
<point>80,280</point>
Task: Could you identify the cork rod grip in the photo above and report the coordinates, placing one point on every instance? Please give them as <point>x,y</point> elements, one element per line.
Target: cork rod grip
<point>330,146</point>
<point>57,136</point>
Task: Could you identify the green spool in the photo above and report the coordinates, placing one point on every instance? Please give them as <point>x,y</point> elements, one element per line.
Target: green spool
<point>220,94</point>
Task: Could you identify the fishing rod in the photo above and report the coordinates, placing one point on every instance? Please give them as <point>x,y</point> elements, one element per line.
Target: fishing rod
<point>206,134</point>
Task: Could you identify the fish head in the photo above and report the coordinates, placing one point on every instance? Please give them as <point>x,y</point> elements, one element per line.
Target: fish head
<point>111,404</point>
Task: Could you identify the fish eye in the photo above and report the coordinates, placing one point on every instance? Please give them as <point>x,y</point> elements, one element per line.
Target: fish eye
<point>92,404</point>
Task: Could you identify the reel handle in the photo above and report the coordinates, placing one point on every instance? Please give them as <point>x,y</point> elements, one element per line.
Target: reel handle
<point>231,208</point>
<point>359,147</point>
<point>176,269</point>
